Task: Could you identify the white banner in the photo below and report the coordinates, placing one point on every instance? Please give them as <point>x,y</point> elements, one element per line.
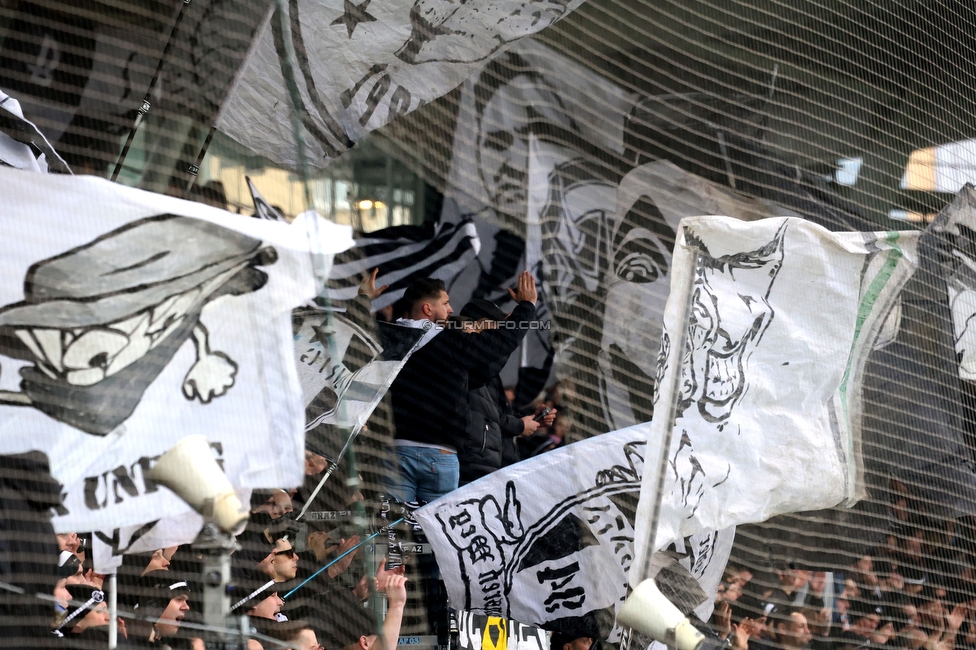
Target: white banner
<point>129,320</point>
<point>768,403</point>
<point>549,541</point>
<point>363,64</point>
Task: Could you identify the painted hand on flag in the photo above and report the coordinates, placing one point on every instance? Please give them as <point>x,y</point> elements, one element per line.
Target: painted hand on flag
<point>504,525</point>
<point>212,374</point>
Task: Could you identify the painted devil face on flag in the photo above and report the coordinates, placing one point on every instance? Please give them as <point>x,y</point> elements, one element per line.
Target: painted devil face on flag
<point>714,373</point>
<point>100,322</point>
<point>607,269</point>
<point>580,551</point>
<point>577,225</point>
<point>721,332</point>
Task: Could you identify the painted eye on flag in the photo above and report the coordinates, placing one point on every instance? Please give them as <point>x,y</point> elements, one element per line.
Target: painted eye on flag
<point>642,245</point>
<point>636,267</point>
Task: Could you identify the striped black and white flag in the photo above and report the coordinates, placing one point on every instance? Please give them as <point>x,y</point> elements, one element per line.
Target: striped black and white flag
<point>404,254</point>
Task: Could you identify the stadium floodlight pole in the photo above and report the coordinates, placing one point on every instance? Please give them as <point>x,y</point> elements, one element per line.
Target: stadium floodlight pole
<point>339,557</point>
<point>146,103</point>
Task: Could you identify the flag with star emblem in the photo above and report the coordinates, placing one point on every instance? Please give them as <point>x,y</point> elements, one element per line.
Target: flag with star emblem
<point>362,63</point>
<point>342,385</point>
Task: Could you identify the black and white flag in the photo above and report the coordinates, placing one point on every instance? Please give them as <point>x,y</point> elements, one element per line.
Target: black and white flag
<point>767,391</point>
<point>262,209</point>
<point>362,64</point>
<point>404,254</point>
<point>917,385</point>
<point>341,392</point>
<point>130,320</point>
<point>550,541</point>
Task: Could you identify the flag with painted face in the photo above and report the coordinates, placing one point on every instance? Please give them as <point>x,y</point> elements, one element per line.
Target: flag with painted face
<point>767,389</point>
<point>362,64</point>
<point>130,320</point>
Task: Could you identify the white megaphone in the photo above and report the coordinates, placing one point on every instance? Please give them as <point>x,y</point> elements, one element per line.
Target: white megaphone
<point>649,611</point>
<point>189,470</point>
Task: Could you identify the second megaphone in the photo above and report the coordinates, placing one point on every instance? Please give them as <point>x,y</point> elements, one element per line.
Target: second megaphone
<point>189,470</point>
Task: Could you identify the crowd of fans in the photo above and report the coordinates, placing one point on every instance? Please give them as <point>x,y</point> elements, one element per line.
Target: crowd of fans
<point>461,418</point>
<point>455,423</point>
<point>916,591</point>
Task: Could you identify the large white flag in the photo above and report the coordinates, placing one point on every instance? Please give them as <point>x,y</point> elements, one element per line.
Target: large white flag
<point>549,541</point>
<point>129,320</point>
<point>780,314</point>
<point>362,64</point>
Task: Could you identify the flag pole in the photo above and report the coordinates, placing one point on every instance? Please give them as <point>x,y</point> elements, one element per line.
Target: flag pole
<point>339,557</point>
<point>318,488</point>
<point>146,104</point>
<point>194,169</point>
<point>113,611</point>
<point>662,424</point>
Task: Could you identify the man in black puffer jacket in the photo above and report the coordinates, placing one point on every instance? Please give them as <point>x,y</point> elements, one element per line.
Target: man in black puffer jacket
<point>491,421</point>
<point>430,395</point>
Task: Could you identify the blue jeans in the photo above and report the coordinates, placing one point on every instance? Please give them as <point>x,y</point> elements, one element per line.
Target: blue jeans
<point>424,474</point>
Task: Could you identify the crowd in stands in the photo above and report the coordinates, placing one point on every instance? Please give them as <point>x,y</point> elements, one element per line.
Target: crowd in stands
<point>916,591</point>
<point>451,412</point>
<point>455,423</point>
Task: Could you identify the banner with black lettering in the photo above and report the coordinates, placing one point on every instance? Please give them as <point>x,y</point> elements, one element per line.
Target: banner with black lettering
<point>129,320</point>
<point>361,65</point>
<point>549,541</point>
<point>341,392</point>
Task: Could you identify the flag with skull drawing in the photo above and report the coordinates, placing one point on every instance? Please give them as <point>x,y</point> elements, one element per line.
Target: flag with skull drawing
<point>779,316</point>
<point>129,320</point>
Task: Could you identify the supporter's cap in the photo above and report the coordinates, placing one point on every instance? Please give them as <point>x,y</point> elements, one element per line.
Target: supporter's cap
<point>157,588</point>
<point>316,448</point>
<point>913,575</point>
<point>83,599</point>
<point>557,640</point>
<point>478,309</point>
<point>861,608</point>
